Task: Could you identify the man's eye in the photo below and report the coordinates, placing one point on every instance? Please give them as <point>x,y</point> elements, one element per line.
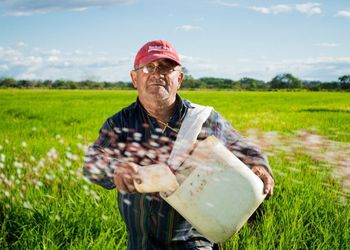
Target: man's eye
<point>151,67</point>
<point>165,66</point>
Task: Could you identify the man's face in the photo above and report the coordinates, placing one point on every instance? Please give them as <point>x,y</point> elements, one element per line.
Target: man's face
<point>160,83</point>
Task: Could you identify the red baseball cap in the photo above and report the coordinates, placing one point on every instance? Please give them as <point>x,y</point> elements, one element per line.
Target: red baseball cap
<point>155,50</point>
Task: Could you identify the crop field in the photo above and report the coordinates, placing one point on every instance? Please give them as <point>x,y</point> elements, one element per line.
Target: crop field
<point>45,203</point>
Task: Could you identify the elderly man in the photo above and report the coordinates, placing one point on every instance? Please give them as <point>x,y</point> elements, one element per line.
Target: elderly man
<point>157,115</point>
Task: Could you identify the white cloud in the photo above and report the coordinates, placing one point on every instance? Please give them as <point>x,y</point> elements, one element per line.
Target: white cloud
<point>3,67</point>
<point>306,8</point>
<point>280,8</point>
<point>53,59</point>
<point>78,9</point>
<point>188,27</point>
<point>199,66</point>
<point>276,9</point>
<point>227,4</point>
<point>30,7</point>
<point>33,60</point>
<point>318,68</point>
<point>343,13</point>
<point>328,45</point>
<point>9,54</point>
<point>262,10</point>
<point>309,8</point>
<point>21,44</point>
<point>37,63</point>
<point>27,76</point>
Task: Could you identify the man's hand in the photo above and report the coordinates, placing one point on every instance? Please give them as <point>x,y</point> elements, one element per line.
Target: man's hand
<point>266,178</point>
<point>124,176</point>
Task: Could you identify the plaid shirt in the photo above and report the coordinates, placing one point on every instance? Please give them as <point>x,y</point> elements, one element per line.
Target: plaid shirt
<point>133,135</point>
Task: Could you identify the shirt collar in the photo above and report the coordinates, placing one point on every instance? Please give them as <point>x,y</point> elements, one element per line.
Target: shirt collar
<point>180,103</point>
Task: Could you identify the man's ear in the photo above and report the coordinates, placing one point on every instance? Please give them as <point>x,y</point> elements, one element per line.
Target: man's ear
<point>133,78</point>
<point>180,79</point>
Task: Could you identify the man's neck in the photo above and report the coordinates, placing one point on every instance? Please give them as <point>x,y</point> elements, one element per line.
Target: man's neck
<point>161,110</point>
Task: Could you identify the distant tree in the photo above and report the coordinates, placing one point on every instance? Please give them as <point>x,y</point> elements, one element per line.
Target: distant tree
<point>87,84</point>
<point>71,84</point>
<point>285,81</point>
<point>218,83</point>
<point>8,82</point>
<point>251,83</point>
<point>191,83</point>
<point>47,84</point>
<point>25,84</point>
<point>281,81</point>
<point>312,85</point>
<point>330,85</point>
<point>59,84</point>
<point>108,85</point>
<point>344,82</point>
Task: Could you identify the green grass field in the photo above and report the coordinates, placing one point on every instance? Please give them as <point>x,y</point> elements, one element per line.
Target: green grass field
<point>46,204</point>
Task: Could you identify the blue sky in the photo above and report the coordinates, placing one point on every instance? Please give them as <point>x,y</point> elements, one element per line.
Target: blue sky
<point>98,39</point>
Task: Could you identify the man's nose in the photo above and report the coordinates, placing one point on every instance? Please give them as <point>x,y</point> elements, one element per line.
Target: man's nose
<point>157,72</point>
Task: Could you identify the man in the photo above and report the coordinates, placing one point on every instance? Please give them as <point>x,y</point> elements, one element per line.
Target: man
<point>142,134</point>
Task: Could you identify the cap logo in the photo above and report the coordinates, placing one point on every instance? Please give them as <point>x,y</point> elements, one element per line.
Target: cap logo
<point>155,48</point>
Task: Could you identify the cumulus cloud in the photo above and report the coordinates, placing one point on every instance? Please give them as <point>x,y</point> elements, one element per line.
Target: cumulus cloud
<point>309,8</point>
<point>3,67</point>
<point>318,68</point>
<point>227,4</point>
<point>328,45</point>
<point>343,13</point>
<point>306,8</point>
<point>199,66</point>
<point>38,63</point>
<point>30,7</point>
<point>276,9</point>
<point>21,44</point>
<point>188,27</point>
<point>262,10</point>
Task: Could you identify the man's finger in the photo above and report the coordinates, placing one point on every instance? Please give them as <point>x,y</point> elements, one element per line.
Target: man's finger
<point>120,185</point>
<point>269,183</point>
<point>266,178</point>
<point>133,167</point>
<point>257,171</point>
<point>124,176</point>
<point>129,186</point>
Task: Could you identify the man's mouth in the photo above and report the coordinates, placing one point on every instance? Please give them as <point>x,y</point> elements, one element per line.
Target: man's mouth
<point>161,84</point>
<point>158,84</point>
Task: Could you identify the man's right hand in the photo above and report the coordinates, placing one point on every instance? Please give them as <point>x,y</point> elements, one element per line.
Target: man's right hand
<point>124,176</point>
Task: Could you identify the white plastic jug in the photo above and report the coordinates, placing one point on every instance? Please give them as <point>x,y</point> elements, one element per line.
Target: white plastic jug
<point>156,178</point>
<point>220,194</point>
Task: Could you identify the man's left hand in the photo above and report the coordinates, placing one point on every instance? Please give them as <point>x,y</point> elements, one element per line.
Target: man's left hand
<point>266,178</point>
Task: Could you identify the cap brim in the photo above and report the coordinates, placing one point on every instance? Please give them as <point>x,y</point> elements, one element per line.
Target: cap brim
<point>155,57</point>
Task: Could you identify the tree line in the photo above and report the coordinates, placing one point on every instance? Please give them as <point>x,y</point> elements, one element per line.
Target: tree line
<point>281,81</point>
